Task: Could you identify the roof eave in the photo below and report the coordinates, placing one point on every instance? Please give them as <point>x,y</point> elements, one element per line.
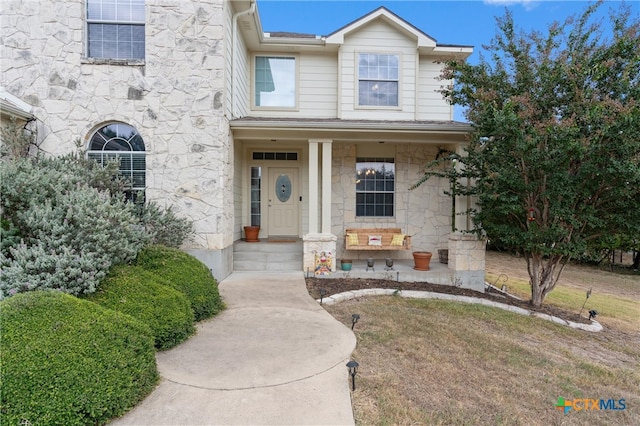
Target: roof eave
<point>453,127</point>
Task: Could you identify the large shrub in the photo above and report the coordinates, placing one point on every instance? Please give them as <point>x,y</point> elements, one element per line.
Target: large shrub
<point>143,295</point>
<point>163,226</point>
<point>186,274</point>
<point>67,361</point>
<point>65,222</point>
<point>70,233</point>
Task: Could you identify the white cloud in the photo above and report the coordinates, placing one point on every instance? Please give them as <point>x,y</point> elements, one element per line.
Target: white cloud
<point>527,4</point>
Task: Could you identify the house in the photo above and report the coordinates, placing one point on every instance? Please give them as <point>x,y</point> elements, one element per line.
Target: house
<point>234,126</point>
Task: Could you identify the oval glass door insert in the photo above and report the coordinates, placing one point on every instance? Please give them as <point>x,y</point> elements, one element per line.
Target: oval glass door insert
<point>283,188</point>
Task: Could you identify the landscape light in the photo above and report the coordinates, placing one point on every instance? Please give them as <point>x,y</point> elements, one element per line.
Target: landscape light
<point>353,370</point>
<point>354,320</point>
<point>592,314</point>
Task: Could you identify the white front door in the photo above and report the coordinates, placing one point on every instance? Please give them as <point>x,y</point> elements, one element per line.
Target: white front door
<point>283,201</point>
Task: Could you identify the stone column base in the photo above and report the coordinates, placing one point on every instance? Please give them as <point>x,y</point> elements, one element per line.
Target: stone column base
<point>467,260</point>
<point>314,247</point>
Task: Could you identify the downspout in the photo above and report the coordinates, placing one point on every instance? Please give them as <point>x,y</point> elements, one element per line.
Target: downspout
<point>234,32</point>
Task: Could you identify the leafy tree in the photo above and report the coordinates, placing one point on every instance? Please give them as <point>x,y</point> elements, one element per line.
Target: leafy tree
<point>554,159</point>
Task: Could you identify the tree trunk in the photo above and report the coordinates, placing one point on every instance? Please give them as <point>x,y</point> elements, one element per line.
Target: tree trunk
<point>636,261</point>
<point>543,275</point>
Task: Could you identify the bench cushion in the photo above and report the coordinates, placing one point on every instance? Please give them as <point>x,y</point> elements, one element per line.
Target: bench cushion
<point>352,239</point>
<point>397,240</point>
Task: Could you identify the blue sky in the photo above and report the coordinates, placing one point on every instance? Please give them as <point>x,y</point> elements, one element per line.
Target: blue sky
<point>449,22</point>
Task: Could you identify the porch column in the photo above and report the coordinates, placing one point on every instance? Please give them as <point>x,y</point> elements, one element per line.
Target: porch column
<point>313,187</point>
<point>319,244</point>
<point>326,187</point>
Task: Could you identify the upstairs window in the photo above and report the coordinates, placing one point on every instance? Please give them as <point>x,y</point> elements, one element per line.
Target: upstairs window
<point>378,80</point>
<point>275,79</point>
<point>375,187</point>
<point>121,142</point>
<point>115,29</point>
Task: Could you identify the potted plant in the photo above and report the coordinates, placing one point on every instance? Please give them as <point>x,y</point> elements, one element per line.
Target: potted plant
<point>346,264</point>
<point>421,260</point>
<point>251,233</point>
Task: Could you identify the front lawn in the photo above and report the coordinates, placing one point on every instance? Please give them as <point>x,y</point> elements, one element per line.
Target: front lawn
<point>434,362</point>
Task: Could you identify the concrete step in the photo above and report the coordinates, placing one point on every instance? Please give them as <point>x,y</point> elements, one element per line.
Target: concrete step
<point>266,256</point>
<point>253,265</point>
<point>242,246</point>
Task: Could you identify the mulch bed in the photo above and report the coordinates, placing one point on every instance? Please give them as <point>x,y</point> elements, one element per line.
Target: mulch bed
<point>333,286</point>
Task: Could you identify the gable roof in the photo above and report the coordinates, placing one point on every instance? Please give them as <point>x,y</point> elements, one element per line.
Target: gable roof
<point>423,39</point>
<point>257,39</point>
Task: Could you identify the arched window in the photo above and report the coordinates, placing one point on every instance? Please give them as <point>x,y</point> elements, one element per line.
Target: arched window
<point>122,142</point>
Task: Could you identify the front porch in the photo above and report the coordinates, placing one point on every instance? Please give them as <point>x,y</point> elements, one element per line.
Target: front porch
<point>465,268</point>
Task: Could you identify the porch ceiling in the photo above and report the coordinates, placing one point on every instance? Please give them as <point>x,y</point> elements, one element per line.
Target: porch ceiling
<point>283,129</point>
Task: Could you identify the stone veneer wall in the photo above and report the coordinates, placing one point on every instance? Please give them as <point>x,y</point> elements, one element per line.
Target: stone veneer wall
<point>467,260</point>
<point>174,99</point>
<point>424,213</point>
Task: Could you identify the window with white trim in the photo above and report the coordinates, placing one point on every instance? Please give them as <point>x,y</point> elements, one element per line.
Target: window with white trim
<point>115,29</point>
<point>121,142</point>
<point>375,187</point>
<point>274,81</point>
<point>378,79</point>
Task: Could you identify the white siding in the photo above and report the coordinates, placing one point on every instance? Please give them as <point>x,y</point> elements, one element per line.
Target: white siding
<point>378,37</point>
<point>240,68</point>
<point>317,88</point>
<point>242,80</point>
<point>431,104</point>
<point>228,34</point>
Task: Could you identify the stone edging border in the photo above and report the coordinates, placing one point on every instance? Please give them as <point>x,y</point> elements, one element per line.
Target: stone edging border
<point>413,294</point>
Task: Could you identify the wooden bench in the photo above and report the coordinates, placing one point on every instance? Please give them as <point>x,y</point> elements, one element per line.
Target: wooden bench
<point>367,239</point>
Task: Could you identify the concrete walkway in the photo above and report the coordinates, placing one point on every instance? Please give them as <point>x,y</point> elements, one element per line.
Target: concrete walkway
<point>274,356</point>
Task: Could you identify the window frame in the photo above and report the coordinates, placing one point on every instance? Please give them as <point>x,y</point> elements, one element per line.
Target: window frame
<point>359,79</point>
<point>103,155</point>
<point>296,59</point>
<point>375,192</point>
<point>131,23</point>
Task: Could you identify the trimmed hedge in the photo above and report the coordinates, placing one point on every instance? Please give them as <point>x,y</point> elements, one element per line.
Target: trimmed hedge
<point>143,295</point>
<point>186,274</point>
<point>68,361</point>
